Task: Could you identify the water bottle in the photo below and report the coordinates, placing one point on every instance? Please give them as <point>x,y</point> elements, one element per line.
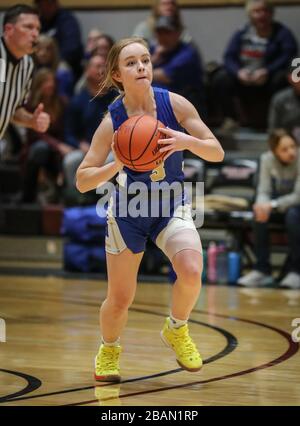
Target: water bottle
<point>212,262</point>
<point>222,265</point>
<point>234,267</point>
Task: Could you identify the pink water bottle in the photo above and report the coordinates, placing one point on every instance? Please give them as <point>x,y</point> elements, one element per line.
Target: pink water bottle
<point>212,262</point>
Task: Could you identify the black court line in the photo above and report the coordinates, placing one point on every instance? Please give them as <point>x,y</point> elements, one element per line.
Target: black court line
<point>231,344</point>
<point>292,350</point>
<point>33,383</point>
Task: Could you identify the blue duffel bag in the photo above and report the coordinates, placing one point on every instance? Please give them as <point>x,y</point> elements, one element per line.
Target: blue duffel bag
<point>84,257</point>
<point>84,224</point>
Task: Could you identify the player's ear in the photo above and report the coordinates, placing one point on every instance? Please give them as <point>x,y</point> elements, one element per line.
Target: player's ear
<point>116,76</point>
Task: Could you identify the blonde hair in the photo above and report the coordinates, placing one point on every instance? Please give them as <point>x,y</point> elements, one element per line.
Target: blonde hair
<point>267,4</point>
<point>112,63</point>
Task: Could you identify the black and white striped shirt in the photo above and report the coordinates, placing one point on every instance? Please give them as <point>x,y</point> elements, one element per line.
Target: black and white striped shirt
<point>15,82</point>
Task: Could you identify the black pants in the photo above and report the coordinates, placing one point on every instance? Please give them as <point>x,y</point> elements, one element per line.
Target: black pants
<point>40,155</point>
<point>262,243</point>
<point>227,88</point>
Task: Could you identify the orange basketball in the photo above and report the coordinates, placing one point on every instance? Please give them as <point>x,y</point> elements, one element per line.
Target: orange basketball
<point>136,143</point>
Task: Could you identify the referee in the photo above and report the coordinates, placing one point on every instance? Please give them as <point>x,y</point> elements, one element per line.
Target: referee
<point>21,27</point>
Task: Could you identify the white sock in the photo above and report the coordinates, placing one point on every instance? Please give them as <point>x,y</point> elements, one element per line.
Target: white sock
<point>112,344</point>
<point>176,323</point>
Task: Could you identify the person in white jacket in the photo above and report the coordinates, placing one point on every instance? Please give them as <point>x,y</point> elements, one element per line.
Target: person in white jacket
<point>278,190</point>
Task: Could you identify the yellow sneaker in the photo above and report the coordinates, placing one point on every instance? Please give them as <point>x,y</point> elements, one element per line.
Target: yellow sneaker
<point>179,340</point>
<point>107,368</point>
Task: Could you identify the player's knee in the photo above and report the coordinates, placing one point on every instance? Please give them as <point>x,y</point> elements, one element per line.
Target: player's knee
<point>190,273</point>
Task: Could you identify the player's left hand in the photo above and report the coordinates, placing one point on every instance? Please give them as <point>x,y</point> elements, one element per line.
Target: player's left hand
<point>175,141</point>
<point>40,119</point>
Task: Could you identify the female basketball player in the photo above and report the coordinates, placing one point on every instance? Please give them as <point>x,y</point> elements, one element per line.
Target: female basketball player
<point>129,69</point>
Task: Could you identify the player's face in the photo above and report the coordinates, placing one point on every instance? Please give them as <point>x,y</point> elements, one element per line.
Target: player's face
<point>286,150</point>
<point>135,68</point>
<point>24,33</point>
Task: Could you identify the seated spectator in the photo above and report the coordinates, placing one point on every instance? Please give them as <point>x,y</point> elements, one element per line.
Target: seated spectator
<point>278,191</point>
<point>169,8</point>
<point>177,65</point>
<point>101,48</point>
<point>285,107</point>
<point>61,24</point>
<point>44,150</point>
<point>46,55</point>
<point>103,45</point>
<point>255,63</point>
<point>84,115</point>
<point>92,38</point>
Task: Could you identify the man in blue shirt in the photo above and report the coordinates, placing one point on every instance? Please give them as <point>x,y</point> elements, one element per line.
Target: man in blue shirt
<point>255,61</point>
<point>176,65</point>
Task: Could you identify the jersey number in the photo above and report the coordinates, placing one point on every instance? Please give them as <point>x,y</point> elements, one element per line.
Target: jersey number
<point>158,174</point>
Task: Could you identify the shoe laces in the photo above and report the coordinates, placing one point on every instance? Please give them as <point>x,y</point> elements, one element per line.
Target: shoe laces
<point>186,347</point>
<point>109,358</point>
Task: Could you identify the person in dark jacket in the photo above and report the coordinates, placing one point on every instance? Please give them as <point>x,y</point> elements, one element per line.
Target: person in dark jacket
<point>284,110</point>
<point>62,25</point>
<point>256,58</point>
<point>177,65</point>
<point>84,114</point>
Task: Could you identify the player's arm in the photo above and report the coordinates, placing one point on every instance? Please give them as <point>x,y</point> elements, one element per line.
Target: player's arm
<point>92,172</point>
<point>200,140</point>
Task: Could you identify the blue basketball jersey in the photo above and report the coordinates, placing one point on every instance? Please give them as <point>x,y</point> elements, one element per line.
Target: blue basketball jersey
<point>169,171</point>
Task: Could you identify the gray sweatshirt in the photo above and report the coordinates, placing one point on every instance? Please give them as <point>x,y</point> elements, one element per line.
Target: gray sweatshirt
<point>279,182</point>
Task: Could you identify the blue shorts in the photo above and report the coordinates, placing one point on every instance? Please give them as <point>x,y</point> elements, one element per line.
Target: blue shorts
<point>128,229</point>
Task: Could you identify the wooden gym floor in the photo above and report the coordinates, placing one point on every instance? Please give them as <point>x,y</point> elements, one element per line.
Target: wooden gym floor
<point>52,336</point>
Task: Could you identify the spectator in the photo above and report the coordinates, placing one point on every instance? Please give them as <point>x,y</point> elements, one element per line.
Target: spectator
<point>169,8</point>
<point>177,65</point>
<point>92,38</point>
<point>103,45</point>
<point>44,150</point>
<point>46,55</point>
<point>84,115</point>
<point>285,107</point>
<point>101,48</point>
<point>278,190</point>
<point>64,27</point>
<point>255,61</point>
